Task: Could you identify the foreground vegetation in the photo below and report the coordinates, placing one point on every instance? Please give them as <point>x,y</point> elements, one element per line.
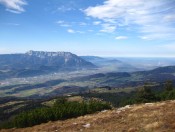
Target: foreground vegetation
<point>35,112</point>
<point>61,110</point>
<point>150,117</point>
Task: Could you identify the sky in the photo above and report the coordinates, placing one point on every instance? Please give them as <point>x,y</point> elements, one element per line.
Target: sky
<point>112,28</point>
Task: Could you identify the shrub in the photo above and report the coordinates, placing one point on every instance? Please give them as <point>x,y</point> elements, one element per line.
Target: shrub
<point>61,110</point>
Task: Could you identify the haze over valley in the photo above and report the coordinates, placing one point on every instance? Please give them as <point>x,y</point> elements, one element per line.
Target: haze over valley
<point>50,73</point>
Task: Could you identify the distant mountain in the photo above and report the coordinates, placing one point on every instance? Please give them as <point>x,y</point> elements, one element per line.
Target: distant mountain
<point>167,69</point>
<point>160,74</point>
<point>39,62</point>
<point>110,64</point>
<point>147,63</point>
<point>129,79</point>
<point>159,70</point>
<point>92,58</point>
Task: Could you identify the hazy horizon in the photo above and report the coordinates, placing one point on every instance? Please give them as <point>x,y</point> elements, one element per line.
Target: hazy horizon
<point>107,28</point>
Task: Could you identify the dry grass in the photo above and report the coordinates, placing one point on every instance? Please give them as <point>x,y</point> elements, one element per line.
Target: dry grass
<point>151,117</point>
<point>10,103</point>
<point>75,98</point>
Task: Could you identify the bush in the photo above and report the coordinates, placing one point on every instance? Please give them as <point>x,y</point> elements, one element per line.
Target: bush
<point>145,95</point>
<point>61,110</point>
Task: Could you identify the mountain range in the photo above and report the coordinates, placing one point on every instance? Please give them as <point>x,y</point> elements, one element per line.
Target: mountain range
<point>129,79</point>
<point>39,62</point>
<point>90,72</point>
<point>108,64</point>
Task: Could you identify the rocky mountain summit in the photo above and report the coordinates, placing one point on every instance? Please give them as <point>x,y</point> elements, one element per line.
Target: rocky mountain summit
<point>43,54</point>
<point>40,62</point>
<point>59,59</point>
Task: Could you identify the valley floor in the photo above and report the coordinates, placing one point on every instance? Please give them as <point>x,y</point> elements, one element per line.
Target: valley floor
<point>156,117</point>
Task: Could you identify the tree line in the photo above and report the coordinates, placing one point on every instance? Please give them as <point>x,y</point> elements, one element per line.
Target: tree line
<point>143,94</point>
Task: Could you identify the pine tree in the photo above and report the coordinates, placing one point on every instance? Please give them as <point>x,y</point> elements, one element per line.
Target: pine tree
<point>169,85</point>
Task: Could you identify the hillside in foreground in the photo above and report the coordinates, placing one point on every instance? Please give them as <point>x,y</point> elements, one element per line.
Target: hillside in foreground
<point>145,117</point>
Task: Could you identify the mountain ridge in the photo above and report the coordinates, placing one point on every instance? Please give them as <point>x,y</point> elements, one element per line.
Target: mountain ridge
<point>41,62</point>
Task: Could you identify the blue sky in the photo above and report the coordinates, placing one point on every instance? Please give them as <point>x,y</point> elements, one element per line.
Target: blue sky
<point>134,28</point>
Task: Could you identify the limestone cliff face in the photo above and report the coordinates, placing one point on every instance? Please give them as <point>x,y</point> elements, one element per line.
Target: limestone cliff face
<point>41,62</point>
<point>36,59</point>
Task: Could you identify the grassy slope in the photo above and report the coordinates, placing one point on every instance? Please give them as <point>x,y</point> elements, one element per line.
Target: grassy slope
<point>145,117</point>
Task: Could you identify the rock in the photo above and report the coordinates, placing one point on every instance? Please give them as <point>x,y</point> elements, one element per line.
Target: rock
<point>104,111</point>
<point>148,103</point>
<point>87,125</point>
<point>124,108</point>
<point>127,106</point>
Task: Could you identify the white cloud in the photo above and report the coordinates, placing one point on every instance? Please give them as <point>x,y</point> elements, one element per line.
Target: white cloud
<point>70,31</point>
<point>64,9</point>
<point>121,37</point>
<point>150,17</point>
<point>74,31</point>
<point>60,22</point>
<point>157,32</point>
<point>63,23</point>
<point>14,6</point>
<point>82,24</point>
<point>69,24</point>
<point>96,22</point>
<point>169,18</point>
<point>108,28</point>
